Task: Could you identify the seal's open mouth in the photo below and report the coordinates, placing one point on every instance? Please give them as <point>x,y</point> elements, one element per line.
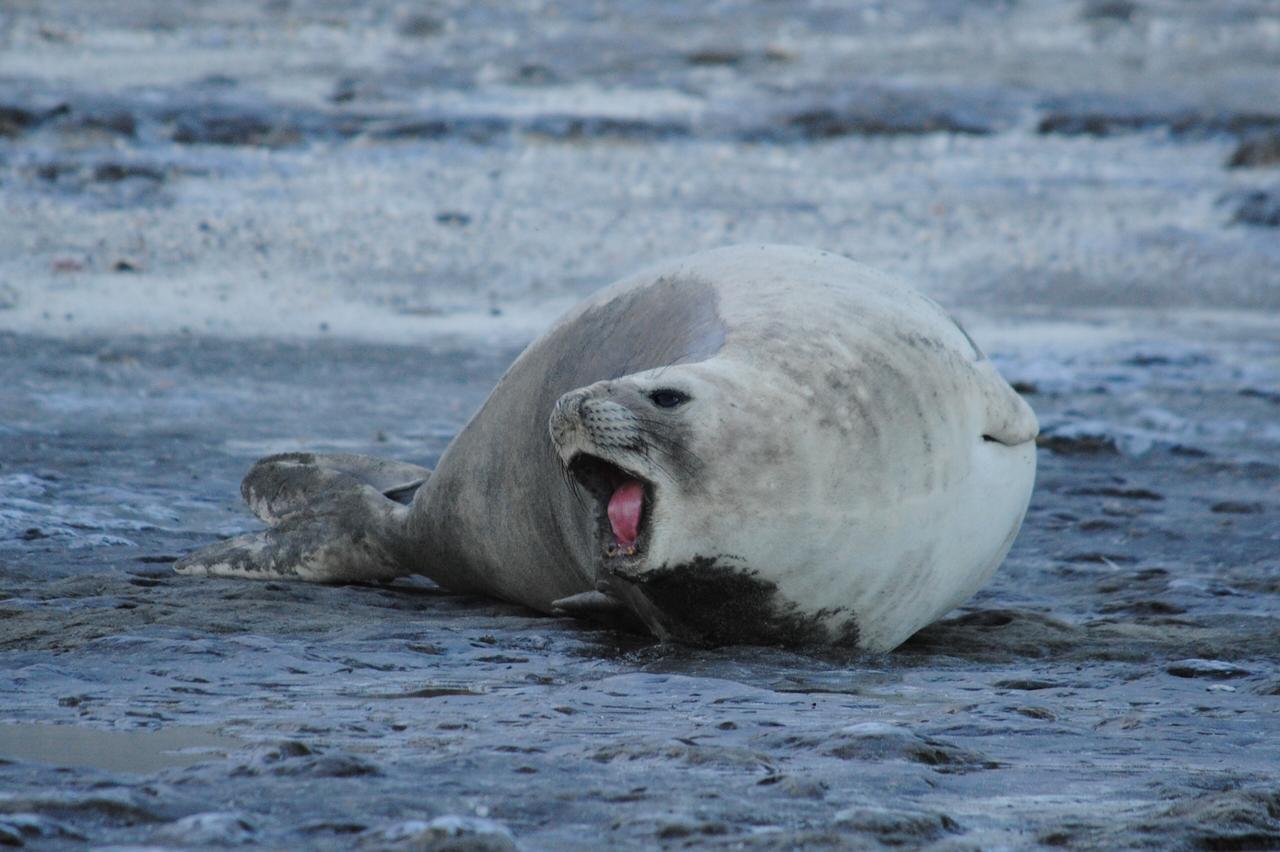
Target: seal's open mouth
<point>624,502</point>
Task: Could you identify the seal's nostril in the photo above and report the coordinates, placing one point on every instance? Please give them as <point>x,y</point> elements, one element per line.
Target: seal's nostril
<point>568,414</point>
<point>571,404</point>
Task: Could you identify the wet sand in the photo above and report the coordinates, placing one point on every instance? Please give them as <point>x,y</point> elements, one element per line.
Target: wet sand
<point>244,229</point>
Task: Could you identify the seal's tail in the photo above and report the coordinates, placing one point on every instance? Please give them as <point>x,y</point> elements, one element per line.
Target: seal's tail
<point>334,518</point>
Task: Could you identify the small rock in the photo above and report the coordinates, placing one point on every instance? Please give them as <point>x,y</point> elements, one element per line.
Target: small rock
<point>453,217</point>
<point>678,828</point>
<point>1212,669</point>
<point>1270,396</point>
<point>234,128</point>
<point>1109,491</point>
<point>1235,507</point>
<point>344,91</point>
<point>1236,819</point>
<point>802,788</point>
<point>117,123</point>
<point>1026,684</point>
<point>1114,10</point>
<point>1109,559</point>
<point>1256,150</point>
<point>329,766</point>
<point>1259,208</point>
<point>1142,607</point>
<point>534,74</point>
<point>1078,445</point>
<point>17,829</point>
<point>1087,123</point>
<point>282,758</point>
<point>1041,713</point>
<point>14,121</point>
<point>451,832</point>
<point>213,827</point>
<point>420,25</point>
<point>827,123</point>
<point>116,172</point>
<point>897,828</point>
<point>715,56</point>
<point>876,741</point>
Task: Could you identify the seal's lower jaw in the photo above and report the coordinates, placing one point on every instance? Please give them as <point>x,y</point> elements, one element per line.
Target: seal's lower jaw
<point>623,508</point>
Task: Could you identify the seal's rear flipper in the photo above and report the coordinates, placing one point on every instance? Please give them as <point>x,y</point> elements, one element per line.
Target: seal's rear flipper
<point>281,485</point>
<point>303,548</point>
<point>334,518</point>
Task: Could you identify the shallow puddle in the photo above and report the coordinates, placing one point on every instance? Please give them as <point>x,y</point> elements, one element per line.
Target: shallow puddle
<point>114,751</point>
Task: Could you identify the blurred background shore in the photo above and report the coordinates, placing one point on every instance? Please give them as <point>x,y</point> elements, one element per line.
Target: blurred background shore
<point>393,172</point>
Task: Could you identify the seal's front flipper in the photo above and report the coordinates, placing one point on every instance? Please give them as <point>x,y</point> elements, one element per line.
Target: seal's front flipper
<point>1007,418</point>
<point>334,518</point>
<point>601,607</point>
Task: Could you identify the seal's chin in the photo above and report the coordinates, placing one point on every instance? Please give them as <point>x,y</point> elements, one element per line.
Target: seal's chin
<point>623,506</point>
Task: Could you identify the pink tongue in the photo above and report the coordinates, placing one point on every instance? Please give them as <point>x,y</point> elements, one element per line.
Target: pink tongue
<point>624,512</point>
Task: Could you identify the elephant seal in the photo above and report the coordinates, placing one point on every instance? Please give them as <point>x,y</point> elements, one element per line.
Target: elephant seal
<point>756,444</point>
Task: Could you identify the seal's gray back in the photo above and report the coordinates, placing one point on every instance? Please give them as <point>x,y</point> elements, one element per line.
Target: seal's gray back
<point>498,515</point>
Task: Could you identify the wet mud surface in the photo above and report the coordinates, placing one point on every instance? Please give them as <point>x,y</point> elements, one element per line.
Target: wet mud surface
<point>1116,684</point>
<point>241,229</point>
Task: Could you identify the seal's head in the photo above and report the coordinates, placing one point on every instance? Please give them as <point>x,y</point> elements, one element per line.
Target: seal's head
<point>629,446</point>
<point>675,480</point>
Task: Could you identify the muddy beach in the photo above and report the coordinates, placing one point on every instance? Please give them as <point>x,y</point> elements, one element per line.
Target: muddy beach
<point>243,228</point>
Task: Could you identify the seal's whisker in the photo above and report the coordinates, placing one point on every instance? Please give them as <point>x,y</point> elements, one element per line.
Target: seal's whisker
<point>671,445</point>
<point>577,489</point>
<point>662,468</point>
<point>672,462</point>
<point>676,448</point>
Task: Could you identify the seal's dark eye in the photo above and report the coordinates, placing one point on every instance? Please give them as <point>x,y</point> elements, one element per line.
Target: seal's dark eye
<point>668,398</point>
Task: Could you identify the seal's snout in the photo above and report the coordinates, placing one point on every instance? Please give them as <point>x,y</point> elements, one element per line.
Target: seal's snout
<point>587,420</point>
<point>566,424</point>
<point>570,405</point>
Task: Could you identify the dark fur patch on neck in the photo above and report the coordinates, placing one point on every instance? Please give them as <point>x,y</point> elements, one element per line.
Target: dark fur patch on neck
<point>704,602</point>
